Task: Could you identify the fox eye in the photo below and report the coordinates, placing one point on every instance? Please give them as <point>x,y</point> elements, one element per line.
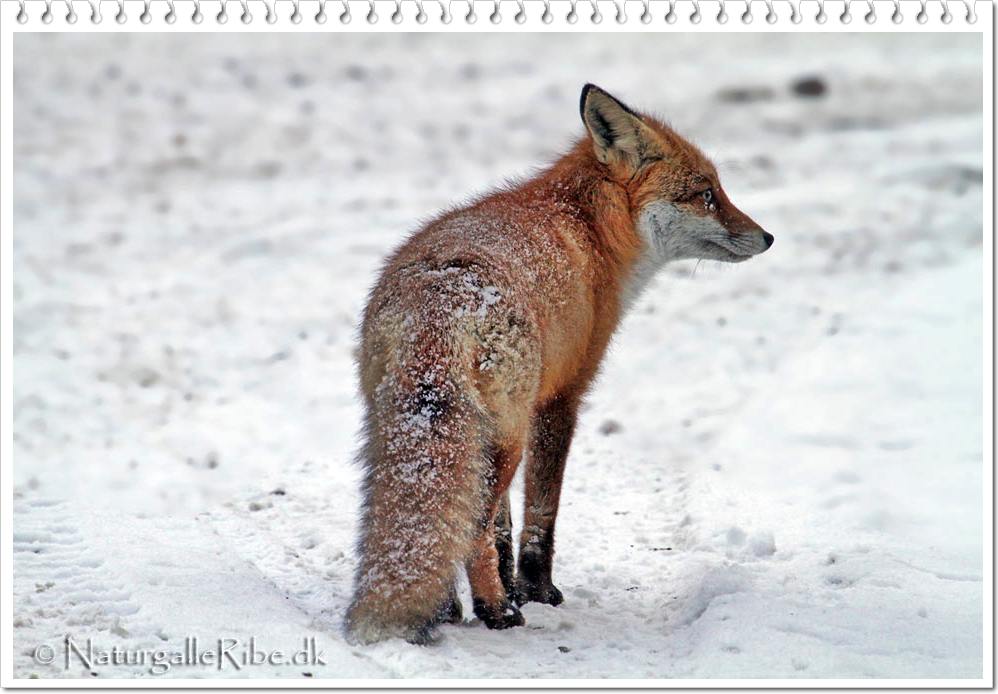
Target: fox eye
<point>708,200</point>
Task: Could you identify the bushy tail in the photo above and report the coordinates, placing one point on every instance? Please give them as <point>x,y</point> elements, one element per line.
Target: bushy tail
<point>424,460</point>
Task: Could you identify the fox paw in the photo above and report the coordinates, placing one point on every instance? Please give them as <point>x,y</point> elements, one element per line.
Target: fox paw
<point>426,635</point>
<point>544,593</point>
<point>502,616</point>
<point>450,612</point>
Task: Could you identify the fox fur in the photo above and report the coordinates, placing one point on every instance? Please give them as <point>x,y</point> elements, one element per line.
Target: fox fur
<point>479,340</point>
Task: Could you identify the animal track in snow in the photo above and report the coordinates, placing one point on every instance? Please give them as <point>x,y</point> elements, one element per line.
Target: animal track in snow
<point>78,590</point>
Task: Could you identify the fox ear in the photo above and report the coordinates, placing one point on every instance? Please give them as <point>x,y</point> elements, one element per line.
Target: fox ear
<point>618,133</point>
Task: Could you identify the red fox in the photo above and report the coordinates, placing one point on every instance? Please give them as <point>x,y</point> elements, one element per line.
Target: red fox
<point>479,340</point>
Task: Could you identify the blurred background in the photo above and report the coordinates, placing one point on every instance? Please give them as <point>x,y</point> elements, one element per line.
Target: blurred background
<point>778,474</point>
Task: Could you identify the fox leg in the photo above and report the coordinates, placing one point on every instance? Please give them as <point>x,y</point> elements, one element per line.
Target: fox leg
<point>491,602</point>
<point>504,545</point>
<point>450,611</point>
<point>553,427</point>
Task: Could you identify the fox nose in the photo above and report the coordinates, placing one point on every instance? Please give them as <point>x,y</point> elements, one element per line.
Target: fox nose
<point>768,238</point>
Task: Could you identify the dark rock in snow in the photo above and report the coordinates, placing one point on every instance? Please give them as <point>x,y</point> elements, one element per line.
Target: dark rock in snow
<point>745,95</point>
<point>809,87</point>
<point>610,427</point>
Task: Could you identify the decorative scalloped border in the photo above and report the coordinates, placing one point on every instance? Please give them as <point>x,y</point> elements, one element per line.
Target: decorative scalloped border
<point>648,15</point>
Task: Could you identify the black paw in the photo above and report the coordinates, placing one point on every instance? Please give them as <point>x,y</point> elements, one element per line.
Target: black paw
<point>426,635</point>
<point>502,616</point>
<point>544,593</point>
<point>450,612</point>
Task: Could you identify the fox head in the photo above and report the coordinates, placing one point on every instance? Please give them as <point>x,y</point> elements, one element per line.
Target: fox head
<point>678,206</point>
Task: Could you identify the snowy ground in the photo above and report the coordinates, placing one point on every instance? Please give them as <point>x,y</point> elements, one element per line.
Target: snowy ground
<point>795,485</point>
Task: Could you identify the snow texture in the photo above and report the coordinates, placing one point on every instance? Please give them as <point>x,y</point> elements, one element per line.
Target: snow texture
<point>778,474</point>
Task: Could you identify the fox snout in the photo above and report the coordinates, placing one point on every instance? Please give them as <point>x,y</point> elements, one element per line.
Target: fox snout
<point>750,243</point>
<point>767,240</point>
<point>745,234</point>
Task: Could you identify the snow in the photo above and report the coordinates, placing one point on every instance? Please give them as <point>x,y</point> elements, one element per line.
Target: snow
<point>779,473</point>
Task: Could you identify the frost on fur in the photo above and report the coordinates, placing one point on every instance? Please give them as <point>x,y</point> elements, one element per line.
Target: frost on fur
<point>424,460</point>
